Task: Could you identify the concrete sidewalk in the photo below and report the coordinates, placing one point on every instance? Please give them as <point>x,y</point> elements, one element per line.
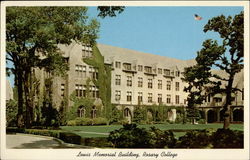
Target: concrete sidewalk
<point>29,141</point>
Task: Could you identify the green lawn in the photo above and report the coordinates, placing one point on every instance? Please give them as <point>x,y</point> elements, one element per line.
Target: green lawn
<point>103,131</point>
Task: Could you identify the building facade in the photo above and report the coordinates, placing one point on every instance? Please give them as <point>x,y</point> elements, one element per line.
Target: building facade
<point>136,79</point>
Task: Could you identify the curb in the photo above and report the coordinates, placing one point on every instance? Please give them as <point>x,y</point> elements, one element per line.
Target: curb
<point>62,144</point>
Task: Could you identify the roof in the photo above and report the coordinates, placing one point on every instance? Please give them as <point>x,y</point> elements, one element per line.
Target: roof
<point>112,53</point>
<point>238,79</point>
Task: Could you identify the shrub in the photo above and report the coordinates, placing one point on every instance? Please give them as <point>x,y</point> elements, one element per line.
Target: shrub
<point>96,142</point>
<point>161,139</point>
<point>115,116</point>
<point>195,139</point>
<point>86,121</point>
<point>201,121</point>
<point>100,121</point>
<point>226,138</point>
<point>124,121</point>
<point>139,114</point>
<point>50,133</point>
<point>129,137</point>
<point>11,113</point>
<point>80,122</point>
<point>70,137</point>
<point>71,123</point>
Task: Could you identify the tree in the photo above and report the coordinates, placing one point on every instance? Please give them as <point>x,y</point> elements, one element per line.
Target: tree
<point>110,11</point>
<point>228,57</point>
<point>32,32</point>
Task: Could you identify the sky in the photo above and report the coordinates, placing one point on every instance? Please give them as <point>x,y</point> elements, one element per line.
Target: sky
<point>165,31</point>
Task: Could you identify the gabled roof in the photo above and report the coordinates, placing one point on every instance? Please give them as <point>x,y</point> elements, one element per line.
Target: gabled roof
<point>112,53</point>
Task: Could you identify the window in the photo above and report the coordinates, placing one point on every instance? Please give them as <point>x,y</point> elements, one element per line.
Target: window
<point>117,95</point>
<point>150,97</point>
<point>217,99</point>
<point>159,71</point>
<point>159,84</point>
<point>126,112</point>
<point>129,96</point>
<point>140,82</point>
<point>167,72</point>
<point>117,64</point>
<point>80,90</point>
<point>168,98</point>
<point>62,89</point>
<point>168,85</point>
<point>94,91</point>
<point>81,111</point>
<point>93,72</point>
<point>185,101</point>
<point>208,98</point>
<point>129,81</point>
<point>117,79</point>
<point>80,70</point>
<point>148,69</point>
<point>177,86</point>
<point>159,98</point>
<point>93,112</point>
<point>139,97</point>
<point>177,73</point>
<point>177,99</point>
<point>139,67</point>
<point>127,66</point>
<point>150,83</point>
<point>86,51</point>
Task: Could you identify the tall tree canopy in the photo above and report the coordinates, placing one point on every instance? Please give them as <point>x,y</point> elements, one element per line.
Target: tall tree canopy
<point>227,56</point>
<point>110,11</point>
<point>35,31</point>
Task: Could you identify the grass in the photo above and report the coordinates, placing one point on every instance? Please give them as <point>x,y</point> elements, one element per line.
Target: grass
<point>106,129</point>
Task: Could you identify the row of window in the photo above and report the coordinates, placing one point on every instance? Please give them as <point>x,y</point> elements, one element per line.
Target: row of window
<point>150,97</point>
<point>147,69</point>
<point>81,91</point>
<point>150,83</point>
<point>81,71</point>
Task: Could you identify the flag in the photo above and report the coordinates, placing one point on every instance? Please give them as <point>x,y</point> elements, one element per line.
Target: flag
<point>196,17</point>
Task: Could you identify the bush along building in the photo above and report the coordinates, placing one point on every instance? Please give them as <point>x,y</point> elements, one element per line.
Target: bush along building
<point>116,85</point>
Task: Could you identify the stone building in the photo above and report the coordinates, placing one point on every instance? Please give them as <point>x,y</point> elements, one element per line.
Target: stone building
<point>136,78</point>
<point>211,109</point>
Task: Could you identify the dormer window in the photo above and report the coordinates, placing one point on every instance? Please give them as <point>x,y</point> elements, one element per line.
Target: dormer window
<point>127,66</point>
<point>148,69</point>
<point>167,72</point>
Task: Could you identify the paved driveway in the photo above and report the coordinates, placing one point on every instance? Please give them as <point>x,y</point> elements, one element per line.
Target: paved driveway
<point>16,141</point>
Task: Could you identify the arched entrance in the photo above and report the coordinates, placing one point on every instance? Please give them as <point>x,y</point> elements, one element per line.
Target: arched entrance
<point>238,115</point>
<point>81,111</point>
<point>211,116</point>
<point>172,115</point>
<point>128,115</point>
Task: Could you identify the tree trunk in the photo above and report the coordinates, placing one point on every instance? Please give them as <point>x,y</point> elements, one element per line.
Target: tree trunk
<point>28,85</point>
<point>20,120</point>
<point>226,107</point>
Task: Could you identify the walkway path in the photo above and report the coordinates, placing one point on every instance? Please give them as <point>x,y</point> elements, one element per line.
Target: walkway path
<point>16,141</point>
